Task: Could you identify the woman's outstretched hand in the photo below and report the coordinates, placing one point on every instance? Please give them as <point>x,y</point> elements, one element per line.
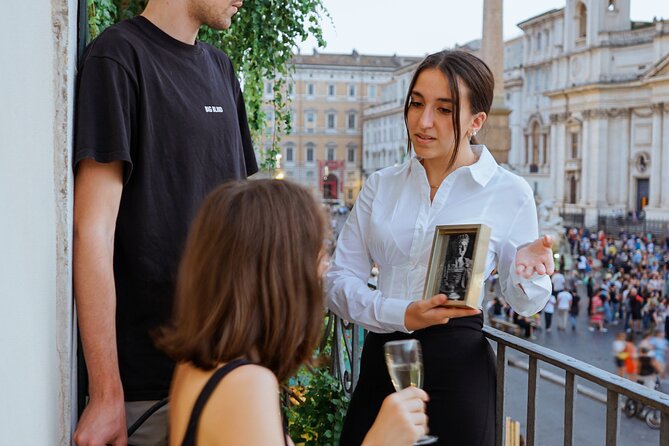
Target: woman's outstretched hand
<point>537,257</point>
<point>425,313</point>
<point>401,420</point>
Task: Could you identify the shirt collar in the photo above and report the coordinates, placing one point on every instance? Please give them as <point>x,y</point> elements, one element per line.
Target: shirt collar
<point>481,171</point>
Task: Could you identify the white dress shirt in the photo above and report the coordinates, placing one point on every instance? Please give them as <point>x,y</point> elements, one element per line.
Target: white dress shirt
<point>393,223</point>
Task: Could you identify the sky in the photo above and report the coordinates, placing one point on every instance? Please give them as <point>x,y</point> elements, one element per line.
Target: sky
<point>418,27</point>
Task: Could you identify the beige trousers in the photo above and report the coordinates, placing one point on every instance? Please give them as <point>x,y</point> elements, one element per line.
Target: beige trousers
<point>154,430</point>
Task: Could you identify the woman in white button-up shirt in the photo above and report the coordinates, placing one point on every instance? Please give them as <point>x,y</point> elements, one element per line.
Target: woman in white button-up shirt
<point>392,225</point>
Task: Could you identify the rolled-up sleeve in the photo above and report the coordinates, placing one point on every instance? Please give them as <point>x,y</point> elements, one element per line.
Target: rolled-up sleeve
<point>536,290</point>
<point>346,281</point>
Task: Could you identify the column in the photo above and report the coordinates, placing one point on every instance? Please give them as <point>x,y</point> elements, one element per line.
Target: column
<point>586,151</point>
<point>492,46</point>
<point>604,157</point>
<point>624,172</point>
<point>558,146</point>
<point>664,201</point>
<point>594,149</point>
<point>656,157</point>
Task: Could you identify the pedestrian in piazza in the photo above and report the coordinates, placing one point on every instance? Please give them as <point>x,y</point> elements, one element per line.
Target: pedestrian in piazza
<point>449,180</point>
<point>564,299</point>
<point>597,314</point>
<point>548,311</point>
<point>574,309</point>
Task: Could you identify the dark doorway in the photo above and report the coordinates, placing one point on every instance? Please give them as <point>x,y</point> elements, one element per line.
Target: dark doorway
<point>330,187</point>
<point>573,186</point>
<point>642,189</point>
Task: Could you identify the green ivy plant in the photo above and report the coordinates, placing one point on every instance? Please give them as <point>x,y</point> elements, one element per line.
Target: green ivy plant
<point>260,43</point>
<point>316,408</point>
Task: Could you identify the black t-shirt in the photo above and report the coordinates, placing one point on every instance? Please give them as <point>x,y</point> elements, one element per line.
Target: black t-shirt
<point>174,114</point>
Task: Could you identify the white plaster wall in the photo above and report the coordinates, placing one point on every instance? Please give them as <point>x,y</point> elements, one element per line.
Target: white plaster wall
<point>37,41</point>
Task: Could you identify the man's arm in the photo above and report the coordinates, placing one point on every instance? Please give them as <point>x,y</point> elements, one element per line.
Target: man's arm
<point>97,195</point>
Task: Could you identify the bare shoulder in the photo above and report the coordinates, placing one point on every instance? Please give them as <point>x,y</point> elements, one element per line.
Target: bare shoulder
<point>245,407</point>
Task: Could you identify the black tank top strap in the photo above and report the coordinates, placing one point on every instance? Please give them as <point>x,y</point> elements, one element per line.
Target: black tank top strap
<point>203,397</point>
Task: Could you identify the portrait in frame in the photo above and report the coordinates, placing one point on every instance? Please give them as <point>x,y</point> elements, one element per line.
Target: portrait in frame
<point>457,264</point>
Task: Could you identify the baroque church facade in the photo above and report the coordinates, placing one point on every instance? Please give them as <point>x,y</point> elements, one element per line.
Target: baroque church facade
<point>589,94</point>
<point>588,91</point>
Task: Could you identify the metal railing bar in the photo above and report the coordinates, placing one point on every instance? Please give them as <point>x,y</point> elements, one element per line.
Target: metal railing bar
<point>569,393</point>
<point>499,397</point>
<point>559,380</point>
<point>664,428</point>
<point>612,418</point>
<point>531,401</point>
<point>603,378</point>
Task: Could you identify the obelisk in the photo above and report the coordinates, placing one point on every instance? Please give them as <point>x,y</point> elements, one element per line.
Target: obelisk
<point>496,133</point>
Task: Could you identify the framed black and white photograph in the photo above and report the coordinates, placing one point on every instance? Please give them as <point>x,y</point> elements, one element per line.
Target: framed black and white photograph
<point>457,263</point>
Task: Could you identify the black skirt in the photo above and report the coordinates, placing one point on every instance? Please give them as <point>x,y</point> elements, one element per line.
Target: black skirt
<point>459,377</point>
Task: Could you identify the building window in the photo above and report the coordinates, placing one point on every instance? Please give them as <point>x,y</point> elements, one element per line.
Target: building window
<point>310,89</point>
<point>289,154</point>
<point>612,5</point>
<point>331,121</point>
<point>310,121</point>
<point>310,153</point>
<point>268,88</point>
<point>290,88</point>
<point>351,91</point>
<point>582,11</point>
<point>331,90</point>
<point>331,154</point>
<point>351,121</point>
<point>371,91</point>
<point>574,145</point>
<point>351,154</point>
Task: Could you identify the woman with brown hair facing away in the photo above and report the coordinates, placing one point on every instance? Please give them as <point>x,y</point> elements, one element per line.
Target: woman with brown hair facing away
<point>450,180</point>
<point>248,313</point>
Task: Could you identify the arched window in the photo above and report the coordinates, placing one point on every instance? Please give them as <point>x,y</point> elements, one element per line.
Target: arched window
<point>582,12</point>
<point>612,5</point>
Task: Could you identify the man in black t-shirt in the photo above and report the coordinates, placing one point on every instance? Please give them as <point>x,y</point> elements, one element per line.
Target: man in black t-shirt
<point>160,122</point>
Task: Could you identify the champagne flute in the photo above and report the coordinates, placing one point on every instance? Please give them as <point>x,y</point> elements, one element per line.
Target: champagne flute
<point>405,366</point>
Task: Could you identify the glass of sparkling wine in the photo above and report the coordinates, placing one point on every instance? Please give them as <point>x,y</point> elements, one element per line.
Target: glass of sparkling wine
<point>405,366</point>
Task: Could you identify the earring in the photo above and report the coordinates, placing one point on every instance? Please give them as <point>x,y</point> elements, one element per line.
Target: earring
<point>473,133</point>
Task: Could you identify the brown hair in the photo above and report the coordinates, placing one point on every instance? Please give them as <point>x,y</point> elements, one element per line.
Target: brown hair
<point>473,72</point>
<point>248,282</point>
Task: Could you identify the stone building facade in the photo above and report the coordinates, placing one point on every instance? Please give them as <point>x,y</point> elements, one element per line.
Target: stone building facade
<point>329,92</point>
<point>590,125</point>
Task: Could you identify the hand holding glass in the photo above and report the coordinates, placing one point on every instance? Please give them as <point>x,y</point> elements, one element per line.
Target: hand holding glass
<point>405,366</point>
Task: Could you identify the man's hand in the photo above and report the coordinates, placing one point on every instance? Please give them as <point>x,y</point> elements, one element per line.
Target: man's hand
<point>401,420</point>
<point>536,257</point>
<point>102,423</point>
<point>425,313</point>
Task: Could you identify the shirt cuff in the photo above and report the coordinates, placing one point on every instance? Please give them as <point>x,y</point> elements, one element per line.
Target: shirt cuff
<point>534,293</point>
<point>391,313</point>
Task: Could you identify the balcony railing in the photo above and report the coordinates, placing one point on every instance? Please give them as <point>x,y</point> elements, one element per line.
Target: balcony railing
<point>347,347</point>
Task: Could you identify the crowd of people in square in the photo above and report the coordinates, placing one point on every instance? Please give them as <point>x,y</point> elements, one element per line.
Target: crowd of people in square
<point>622,283</point>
